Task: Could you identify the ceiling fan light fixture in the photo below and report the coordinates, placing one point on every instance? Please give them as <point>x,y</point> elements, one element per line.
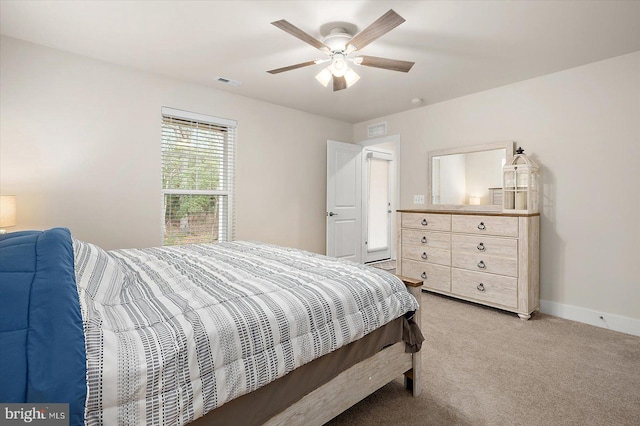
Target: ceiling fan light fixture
<point>324,76</point>
<point>351,77</point>
<point>339,65</point>
<point>339,44</point>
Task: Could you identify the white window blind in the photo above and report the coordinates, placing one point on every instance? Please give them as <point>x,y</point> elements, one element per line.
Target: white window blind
<point>197,177</point>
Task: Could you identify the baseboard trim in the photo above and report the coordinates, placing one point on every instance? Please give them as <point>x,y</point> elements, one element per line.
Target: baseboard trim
<point>588,316</point>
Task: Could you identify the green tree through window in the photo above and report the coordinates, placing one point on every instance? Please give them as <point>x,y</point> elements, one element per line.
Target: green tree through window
<point>197,166</point>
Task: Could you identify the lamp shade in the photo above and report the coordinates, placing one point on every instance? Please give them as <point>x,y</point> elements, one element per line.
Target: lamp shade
<point>350,76</point>
<point>7,211</point>
<point>474,200</point>
<point>324,76</point>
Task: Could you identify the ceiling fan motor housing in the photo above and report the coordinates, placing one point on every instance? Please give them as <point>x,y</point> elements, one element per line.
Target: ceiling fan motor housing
<point>337,39</point>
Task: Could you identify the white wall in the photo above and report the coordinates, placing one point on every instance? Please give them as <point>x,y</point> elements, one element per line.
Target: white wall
<point>582,126</point>
<point>80,147</point>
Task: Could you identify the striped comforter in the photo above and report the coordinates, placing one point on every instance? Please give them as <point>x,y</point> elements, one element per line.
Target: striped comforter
<point>174,332</point>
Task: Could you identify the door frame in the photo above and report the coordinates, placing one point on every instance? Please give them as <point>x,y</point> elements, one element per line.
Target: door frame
<point>394,142</point>
<point>390,157</point>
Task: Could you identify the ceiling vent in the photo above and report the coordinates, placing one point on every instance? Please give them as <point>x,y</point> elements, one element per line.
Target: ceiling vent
<point>228,81</point>
<point>378,129</point>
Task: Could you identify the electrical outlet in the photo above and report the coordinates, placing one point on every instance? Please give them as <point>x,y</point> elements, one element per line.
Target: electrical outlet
<point>418,199</point>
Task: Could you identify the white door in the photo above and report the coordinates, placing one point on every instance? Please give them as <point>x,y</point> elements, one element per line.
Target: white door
<point>344,201</point>
<point>377,205</point>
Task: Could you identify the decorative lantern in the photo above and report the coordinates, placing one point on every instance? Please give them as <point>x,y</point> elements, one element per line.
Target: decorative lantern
<point>520,184</point>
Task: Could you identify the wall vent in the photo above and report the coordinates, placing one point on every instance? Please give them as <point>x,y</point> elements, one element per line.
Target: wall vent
<point>228,81</point>
<point>378,129</point>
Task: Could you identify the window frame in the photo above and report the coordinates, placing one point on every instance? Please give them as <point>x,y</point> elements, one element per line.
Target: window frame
<point>228,168</point>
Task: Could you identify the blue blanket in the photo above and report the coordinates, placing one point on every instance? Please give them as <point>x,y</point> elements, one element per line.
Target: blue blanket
<point>42,351</point>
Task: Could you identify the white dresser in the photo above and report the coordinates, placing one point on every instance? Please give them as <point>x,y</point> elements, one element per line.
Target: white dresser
<point>487,258</point>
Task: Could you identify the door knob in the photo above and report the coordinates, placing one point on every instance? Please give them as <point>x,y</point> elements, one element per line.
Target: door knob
<point>333,214</point>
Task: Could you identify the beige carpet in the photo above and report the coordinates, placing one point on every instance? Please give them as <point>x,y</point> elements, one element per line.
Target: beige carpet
<point>487,367</point>
<point>387,265</point>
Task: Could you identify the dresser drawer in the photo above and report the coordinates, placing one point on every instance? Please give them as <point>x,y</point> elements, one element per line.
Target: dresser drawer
<point>435,277</point>
<point>501,226</point>
<point>483,263</point>
<point>427,221</point>
<point>482,245</point>
<point>485,287</point>
<point>427,254</point>
<point>426,239</point>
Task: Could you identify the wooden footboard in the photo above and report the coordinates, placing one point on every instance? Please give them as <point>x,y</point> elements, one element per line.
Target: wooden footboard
<point>412,379</point>
<point>358,382</point>
<point>348,388</point>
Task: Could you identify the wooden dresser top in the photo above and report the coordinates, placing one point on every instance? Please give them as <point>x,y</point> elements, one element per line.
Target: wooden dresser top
<point>466,212</point>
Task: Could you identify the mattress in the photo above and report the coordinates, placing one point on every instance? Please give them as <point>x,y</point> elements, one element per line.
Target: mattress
<point>172,333</point>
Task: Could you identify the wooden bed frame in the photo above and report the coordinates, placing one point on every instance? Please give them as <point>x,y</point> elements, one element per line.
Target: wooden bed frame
<point>354,384</point>
<point>359,381</point>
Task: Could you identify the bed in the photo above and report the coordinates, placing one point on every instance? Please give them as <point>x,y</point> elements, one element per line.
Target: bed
<point>237,332</point>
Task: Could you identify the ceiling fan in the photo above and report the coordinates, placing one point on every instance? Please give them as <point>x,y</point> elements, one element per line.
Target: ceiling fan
<point>339,45</point>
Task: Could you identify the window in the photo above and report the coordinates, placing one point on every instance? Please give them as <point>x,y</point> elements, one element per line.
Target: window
<point>197,177</point>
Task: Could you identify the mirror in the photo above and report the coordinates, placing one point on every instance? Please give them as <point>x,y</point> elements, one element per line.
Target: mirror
<point>468,178</point>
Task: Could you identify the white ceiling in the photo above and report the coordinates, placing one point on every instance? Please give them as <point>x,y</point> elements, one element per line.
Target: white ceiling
<point>459,47</point>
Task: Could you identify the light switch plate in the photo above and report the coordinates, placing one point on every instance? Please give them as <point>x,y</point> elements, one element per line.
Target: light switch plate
<point>418,199</point>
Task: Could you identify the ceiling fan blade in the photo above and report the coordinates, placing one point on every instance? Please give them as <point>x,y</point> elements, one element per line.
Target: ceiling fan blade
<point>292,67</point>
<point>380,27</point>
<point>385,63</point>
<point>298,33</point>
<point>339,83</point>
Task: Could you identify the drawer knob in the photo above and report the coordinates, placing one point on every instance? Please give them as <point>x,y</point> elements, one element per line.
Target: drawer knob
<point>424,255</point>
<point>480,287</point>
<point>481,265</point>
<point>424,222</point>
<point>424,240</point>
<point>481,247</point>
<point>423,275</point>
<point>481,226</point>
